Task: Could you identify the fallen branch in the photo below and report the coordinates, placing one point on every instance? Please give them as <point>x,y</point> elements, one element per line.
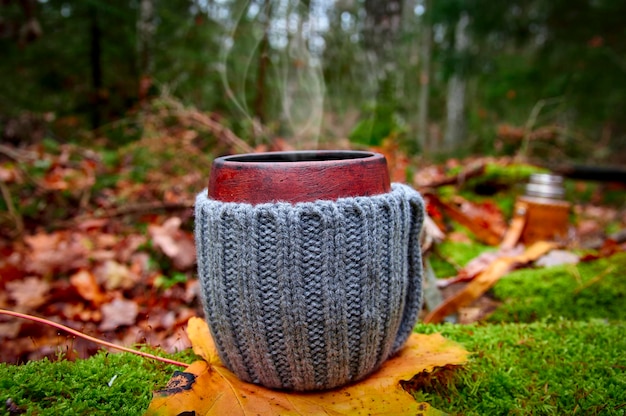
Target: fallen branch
<point>458,179</point>
<point>218,130</point>
<point>22,157</point>
<point>590,172</point>
<point>19,156</point>
<point>146,207</point>
<point>485,280</point>
<point>90,338</point>
<point>132,209</point>
<point>221,132</point>
<point>14,214</point>
<point>477,265</point>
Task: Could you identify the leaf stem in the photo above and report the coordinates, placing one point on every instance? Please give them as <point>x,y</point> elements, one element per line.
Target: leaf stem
<point>90,338</point>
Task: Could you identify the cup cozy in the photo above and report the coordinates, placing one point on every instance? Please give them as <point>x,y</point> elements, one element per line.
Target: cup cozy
<point>313,295</point>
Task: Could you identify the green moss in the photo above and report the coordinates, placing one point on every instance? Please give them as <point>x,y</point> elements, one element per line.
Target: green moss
<point>594,289</point>
<point>554,366</point>
<point>450,255</point>
<point>505,174</point>
<point>557,367</point>
<point>505,201</point>
<point>105,384</point>
<point>555,346</point>
<point>551,368</point>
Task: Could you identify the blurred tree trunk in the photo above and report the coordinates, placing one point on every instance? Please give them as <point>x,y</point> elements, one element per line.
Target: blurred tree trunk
<point>95,57</point>
<point>31,29</point>
<point>261,81</point>
<point>455,106</point>
<point>382,26</point>
<point>381,29</point>
<point>424,94</point>
<point>146,28</point>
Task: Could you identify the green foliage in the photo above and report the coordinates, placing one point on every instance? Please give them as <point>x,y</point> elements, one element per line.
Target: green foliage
<point>55,72</point>
<point>104,384</point>
<point>380,124</point>
<point>549,367</point>
<point>579,292</point>
<point>123,132</point>
<point>165,282</point>
<point>186,54</point>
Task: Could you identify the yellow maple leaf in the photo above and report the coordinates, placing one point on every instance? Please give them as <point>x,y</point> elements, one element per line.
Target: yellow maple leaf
<point>208,388</point>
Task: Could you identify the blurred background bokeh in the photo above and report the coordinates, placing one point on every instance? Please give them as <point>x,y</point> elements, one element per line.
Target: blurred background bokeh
<point>545,78</point>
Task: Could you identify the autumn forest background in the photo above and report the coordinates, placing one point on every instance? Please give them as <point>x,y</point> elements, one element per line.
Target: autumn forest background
<point>463,76</point>
<point>112,111</point>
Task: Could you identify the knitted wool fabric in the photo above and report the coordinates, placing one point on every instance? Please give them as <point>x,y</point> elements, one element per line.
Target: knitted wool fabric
<point>313,295</point>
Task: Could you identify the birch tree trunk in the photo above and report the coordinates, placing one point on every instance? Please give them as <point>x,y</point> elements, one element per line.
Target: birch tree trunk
<point>455,106</point>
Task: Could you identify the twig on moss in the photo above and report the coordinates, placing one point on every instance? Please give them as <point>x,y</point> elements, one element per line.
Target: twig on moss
<point>596,279</point>
<point>90,338</point>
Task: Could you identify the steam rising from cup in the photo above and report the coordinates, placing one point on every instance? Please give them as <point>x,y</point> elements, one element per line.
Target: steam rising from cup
<point>271,61</point>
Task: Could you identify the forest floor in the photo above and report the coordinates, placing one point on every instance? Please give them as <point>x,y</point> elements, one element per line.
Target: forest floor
<point>100,239</point>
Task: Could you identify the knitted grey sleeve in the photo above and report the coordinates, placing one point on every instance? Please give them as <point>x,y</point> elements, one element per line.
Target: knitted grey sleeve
<point>313,295</point>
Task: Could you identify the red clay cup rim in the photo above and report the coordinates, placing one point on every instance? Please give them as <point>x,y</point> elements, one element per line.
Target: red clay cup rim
<point>298,176</point>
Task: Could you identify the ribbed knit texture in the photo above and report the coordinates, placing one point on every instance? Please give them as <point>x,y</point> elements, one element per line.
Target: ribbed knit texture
<point>313,295</point>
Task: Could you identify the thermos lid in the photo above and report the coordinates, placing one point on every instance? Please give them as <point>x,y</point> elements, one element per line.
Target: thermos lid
<point>545,185</point>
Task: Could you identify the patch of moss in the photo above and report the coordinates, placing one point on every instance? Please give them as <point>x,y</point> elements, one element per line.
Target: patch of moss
<point>449,255</point>
<point>588,290</point>
<point>504,175</point>
<point>549,368</point>
<point>104,384</point>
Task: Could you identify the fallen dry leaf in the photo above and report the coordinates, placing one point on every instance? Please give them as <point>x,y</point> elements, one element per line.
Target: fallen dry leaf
<point>28,293</point>
<point>56,252</point>
<point>208,388</point>
<point>63,178</point>
<point>81,312</point>
<point>8,173</point>
<point>114,275</point>
<point>11,329</point>
<point>484,220</point>
<point>87,287</point>
<point>177,244</point>
<point>117,313</point>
